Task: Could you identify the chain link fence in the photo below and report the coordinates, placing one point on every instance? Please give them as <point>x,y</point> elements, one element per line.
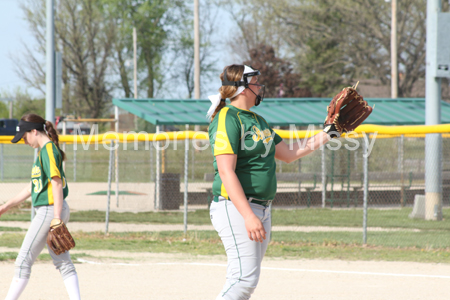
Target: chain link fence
<point>320,197</point>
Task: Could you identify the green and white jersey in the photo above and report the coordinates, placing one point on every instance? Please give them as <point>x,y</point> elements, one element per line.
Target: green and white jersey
<point>48,164</point>
<point>246,134</point>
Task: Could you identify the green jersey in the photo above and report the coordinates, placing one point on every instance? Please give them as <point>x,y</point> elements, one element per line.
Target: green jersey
<point>48,164</point>
<point>246,134</point>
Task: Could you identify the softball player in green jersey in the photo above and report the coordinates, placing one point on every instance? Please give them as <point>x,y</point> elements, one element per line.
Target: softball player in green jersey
<point>48,189</point>
<point>245,148</point>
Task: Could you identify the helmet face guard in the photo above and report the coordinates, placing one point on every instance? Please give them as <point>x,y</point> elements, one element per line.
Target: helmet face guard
<point>246,84</point>
<point>260,95</point>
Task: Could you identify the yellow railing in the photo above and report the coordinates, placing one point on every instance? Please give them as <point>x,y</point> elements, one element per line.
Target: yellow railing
<point>382,131</point>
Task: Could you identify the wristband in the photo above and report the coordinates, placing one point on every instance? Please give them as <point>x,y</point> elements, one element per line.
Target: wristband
<point>331,130</point>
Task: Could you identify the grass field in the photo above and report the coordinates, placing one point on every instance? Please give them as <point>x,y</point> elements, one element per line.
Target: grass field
<point>345,246</point>
<point>384,218</point>
<point>8,256</point>
<point>398,238</point>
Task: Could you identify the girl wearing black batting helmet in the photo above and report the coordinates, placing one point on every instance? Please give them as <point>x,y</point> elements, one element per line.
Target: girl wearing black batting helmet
<point>48,189</point>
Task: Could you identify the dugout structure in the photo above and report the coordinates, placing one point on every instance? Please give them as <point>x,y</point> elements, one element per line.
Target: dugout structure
<point>335,187</point>
<point>299,112</point>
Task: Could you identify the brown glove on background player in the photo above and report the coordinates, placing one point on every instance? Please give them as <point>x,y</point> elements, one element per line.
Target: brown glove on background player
<point>346,111</point>
<point>59,238</point>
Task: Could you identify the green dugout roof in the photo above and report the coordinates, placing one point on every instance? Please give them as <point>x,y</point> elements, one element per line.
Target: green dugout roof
<point>280,112</point>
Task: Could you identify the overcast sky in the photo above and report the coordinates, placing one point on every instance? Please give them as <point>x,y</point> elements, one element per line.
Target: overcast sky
<point>14,31</point>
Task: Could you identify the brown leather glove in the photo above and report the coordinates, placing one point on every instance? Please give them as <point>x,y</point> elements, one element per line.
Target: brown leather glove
<point>59,238</point>
<point>346,111</point>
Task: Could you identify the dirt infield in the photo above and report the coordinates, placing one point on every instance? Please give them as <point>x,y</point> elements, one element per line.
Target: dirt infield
<point>122,275</point>
<point>129,275</point>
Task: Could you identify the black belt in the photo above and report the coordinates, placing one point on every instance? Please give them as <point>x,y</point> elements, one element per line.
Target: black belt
<point>250,199</point>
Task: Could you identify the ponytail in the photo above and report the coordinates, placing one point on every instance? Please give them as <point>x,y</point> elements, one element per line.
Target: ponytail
<point>234,73</point>
<point>221,105</point>
<point>53,135</point>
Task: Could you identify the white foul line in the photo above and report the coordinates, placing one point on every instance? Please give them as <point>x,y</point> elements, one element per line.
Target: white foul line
<point>275,269</point>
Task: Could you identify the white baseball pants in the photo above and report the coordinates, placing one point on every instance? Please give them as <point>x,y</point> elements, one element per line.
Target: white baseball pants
<point>35,241</point>
<point>244,256</point>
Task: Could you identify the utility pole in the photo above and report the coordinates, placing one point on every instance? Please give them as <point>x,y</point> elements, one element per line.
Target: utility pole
<point>433,142</point>
<point>196,54</point>
<point>50,67</point>
<point>196,50</point>
<point>135,61</point>
<point>394,63</point>
<point>135,73</point>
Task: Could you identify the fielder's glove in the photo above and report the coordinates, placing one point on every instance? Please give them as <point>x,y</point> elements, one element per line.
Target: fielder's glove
<point>59,238</point>
<point>346,111</point>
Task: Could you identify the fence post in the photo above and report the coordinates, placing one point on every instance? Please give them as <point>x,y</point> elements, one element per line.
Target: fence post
<point>116,128</point>
<point>158,175</point>
<point>108,196</point>
<point>401,169</point>
<point>152,171</point>
<point>117,173</point>
<point>366,188</point>
<point>152,174</point>
<point>324,177</point>
<point>299,164</point>
<point>74,163</point>
<point>186,170</point>
<point>193,159</point>
<point>1,160</point>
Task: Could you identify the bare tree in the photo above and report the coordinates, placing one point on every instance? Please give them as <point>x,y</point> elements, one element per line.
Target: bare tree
<point>155,21</point>
<point>336,42</point>
<point>85,39</point>
<point>257,25</point>
<point>181,58</point>
<point>277,74</point>
<point>357,35</point>
<point>87,51</point>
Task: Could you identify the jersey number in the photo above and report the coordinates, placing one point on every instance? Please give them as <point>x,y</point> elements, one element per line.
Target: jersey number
<point>37,185</point>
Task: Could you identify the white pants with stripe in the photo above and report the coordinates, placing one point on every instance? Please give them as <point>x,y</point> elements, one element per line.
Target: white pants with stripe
<point>244,256</point>
<point>35,241</point>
